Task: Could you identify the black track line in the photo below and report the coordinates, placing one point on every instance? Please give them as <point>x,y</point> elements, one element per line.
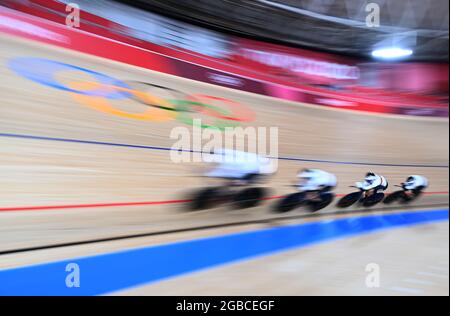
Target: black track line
<point>198,228</point>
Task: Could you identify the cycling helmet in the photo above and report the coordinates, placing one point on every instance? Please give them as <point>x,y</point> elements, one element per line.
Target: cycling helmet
<point>411,179</point>
<point>306,173</point>
<point>370,177</point>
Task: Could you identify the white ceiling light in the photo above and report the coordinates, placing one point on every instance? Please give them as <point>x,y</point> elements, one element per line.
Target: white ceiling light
<point>392,53</point>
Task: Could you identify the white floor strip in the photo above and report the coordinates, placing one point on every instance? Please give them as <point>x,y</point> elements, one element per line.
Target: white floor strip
<point>419,282</point>
<point>444,269</point>
<point>434,275</point>
<point>406,290</point>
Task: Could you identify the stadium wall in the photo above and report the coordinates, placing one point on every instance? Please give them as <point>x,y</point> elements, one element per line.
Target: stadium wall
<point>110,46</point>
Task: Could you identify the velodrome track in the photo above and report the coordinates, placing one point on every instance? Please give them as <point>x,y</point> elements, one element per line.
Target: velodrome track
<point>72,174</point>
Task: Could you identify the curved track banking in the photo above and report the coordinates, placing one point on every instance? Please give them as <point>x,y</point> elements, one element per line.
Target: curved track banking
<point>73,174</point>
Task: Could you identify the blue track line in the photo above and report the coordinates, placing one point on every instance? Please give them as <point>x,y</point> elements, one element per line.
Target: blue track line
<point>107,273</point>
<point>89,142</point>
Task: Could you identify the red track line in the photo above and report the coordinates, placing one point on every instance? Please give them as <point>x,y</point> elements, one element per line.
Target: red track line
<point>60,207</point>
<point>80,206</point>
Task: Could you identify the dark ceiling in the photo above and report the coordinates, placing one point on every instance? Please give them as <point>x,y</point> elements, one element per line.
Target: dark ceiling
<point>328,25</point>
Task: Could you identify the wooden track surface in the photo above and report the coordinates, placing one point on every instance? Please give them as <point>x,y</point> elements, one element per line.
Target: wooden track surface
<point>39,172</point>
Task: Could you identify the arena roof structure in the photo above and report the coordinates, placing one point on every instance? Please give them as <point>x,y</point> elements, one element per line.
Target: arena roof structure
<point>338,26</point>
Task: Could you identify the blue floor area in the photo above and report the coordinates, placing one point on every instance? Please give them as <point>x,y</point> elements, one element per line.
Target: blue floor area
<point>111,272</point>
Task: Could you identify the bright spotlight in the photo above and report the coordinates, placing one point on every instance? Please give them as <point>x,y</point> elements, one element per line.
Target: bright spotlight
<point>392,53</point>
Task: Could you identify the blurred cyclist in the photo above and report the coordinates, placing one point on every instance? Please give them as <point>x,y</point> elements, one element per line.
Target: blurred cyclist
<point>372,184</point>
<point>238,167</point>
<point>315,182</point>
<point>414,185</point>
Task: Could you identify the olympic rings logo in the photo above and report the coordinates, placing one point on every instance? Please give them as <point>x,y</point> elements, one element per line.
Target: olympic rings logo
<point>102,93</point>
